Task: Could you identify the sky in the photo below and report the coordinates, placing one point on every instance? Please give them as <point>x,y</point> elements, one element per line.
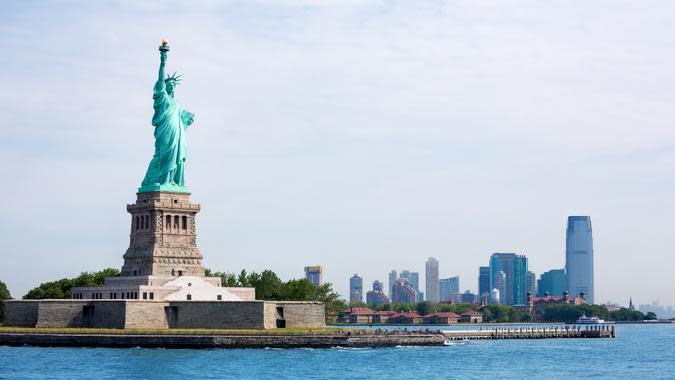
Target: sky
<point>363,136</point>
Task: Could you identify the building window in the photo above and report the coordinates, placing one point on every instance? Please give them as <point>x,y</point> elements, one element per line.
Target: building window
<point>189,284</point>
<point>180,273</point>
<point>168,222</point>
<point>175,222</point>
<point>145,295</point>
<point>137,222</point>
<point>220,297</point>
<point>147,221</point>
<point>184,224</point>
<point>152,295</point>
<point>189,297</point>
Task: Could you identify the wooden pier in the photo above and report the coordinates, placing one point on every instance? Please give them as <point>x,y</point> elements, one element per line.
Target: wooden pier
<point>533,332</point>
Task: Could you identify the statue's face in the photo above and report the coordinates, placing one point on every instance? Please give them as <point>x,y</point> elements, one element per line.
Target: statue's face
<point>169,87</point>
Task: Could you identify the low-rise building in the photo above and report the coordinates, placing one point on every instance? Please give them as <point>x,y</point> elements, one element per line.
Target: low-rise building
<point>410,318</point>
<point>441,318</point>
<point>536,306</point>
<point>357,315</point>
<point>471,316</point>
<point>382,316</point>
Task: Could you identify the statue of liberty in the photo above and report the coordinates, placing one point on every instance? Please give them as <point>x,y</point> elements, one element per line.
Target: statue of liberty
<point>167,168</point>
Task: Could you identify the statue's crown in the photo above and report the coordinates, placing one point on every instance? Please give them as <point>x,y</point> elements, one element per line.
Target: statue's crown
<point>174,78</point>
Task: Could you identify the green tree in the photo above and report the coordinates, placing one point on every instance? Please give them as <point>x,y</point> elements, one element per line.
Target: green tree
<point>4,296</point>
<point>651,316</point>
<point>426,307</point>
<point>502,314</point>
<point>627,315</point>
<point>331,300</point>
<point>267,285</point>
<point>571,313</point>
<point>298,290</point>
<point>62,288</point>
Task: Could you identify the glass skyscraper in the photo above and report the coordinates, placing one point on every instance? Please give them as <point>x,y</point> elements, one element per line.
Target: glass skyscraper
<point>552,282</point>
<point>355,289</point>
<point>579,257</point>
<point>448,289</point>
<point>432,280</point>
<point>515,268</point>
<point>484,281</point>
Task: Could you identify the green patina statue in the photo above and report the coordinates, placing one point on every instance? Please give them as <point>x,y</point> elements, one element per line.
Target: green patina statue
<point>167,168</point>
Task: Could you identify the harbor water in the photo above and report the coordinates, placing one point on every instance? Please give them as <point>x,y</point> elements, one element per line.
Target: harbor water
<point>638,351</point>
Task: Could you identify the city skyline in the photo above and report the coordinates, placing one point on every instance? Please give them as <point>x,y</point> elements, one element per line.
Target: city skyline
<point>362,136</point>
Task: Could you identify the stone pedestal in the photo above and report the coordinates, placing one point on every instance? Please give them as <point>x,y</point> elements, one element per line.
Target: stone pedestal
<point>163,239</point>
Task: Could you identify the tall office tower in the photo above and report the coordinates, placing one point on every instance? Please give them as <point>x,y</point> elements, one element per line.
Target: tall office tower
<point>444,293</point>
<point>355,289</point>
<point>393,276</point>
<point>403,292</point>
<point>415,280</point>
<point>314,274</point>
<point>377,296</point>
<point>579,257</point>
<point>499,286</point>
<point>531,283</point>
<point>405,274</point>
<point>515,270</point>
<point>432,280</point>
<point>448,289</point>
<point>553,282</point>
<point>484,281</point>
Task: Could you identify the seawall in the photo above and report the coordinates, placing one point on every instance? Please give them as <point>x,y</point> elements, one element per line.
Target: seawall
<point>218,341</point>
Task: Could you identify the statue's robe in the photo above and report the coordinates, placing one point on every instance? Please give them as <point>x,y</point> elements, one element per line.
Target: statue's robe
<point>170,122</point>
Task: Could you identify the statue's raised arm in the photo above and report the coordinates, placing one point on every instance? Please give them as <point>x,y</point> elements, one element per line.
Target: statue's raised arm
<point>163,50</point>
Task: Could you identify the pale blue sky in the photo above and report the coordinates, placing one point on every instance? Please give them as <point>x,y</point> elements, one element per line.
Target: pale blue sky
<point>361,135</point>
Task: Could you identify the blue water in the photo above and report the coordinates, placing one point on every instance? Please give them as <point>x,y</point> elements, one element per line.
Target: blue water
<point>639,352</point>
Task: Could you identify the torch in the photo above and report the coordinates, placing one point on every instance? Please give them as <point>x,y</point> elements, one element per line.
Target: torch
<point>164,47</point>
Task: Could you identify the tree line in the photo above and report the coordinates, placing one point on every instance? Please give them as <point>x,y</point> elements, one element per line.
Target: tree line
<point>570,313</point>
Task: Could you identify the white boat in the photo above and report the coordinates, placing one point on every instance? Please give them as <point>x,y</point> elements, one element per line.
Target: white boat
<point>584,320</point>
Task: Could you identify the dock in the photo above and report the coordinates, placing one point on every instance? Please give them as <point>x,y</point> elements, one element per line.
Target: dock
<point>533,332</point>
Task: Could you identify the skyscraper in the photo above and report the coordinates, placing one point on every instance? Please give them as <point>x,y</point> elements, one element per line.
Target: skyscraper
<point>393,276</point>
<point>515,270</point>
<point>553,282</point>
<point>314,274</point>
<point>404,292</point>
<point>377,296</point>
<point>579,257</point>
<point>432,280</point>
<point>415,280</point>
<point>355,289</point>
<point>484,281</point>
<point>448,289</point>
<point>499,286</point>
<point>531,283</point>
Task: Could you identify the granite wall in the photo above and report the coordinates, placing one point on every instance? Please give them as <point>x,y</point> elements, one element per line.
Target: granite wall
<point>164,314</point>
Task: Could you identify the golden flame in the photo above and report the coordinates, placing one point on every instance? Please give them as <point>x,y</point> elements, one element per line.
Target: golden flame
<point>164,42</point>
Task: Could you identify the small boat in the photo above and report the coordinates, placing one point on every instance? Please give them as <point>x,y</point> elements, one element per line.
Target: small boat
<point>584,320</point>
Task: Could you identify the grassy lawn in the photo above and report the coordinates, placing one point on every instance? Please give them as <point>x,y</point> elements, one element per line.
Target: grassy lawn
<point>287,331</point>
